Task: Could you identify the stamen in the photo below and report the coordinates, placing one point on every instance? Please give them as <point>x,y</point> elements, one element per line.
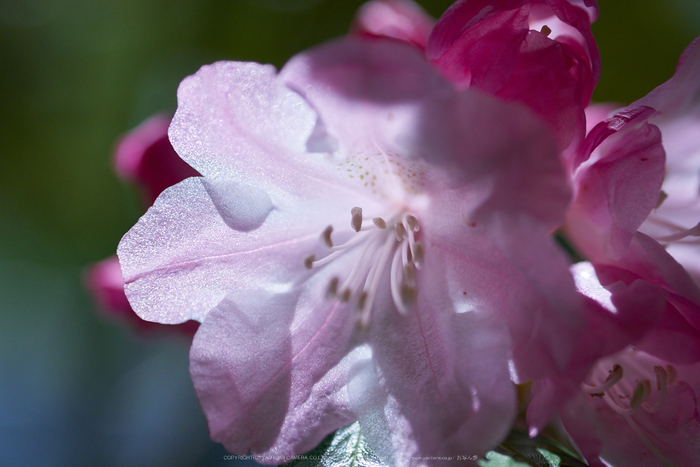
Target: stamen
<point>612,379</point>
<point>333,288</point>
<point>412,222</point>
<point>661,386</point>
<point>418,254</point>
<point>362,300</point>
<point>692,232</point>
<point>672,374</point>
<point>322,261</point>
<point>356,221</point>
<point>409,273</point>
<point>662,197</point>
<point>408,294</point>
<point>400,230</point>
<point>326,236</point>
<point>375,274</point>
<point>379,222</point>
<point>395,281</point>
<point>309,261</point>
<point>378,248</point>
<point>641,393</point>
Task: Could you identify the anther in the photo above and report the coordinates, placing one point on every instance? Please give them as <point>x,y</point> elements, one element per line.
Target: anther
<point>400,231</point>
<point>408,294</point>
<point>345,295</point>
<point>412,222</point>
<point>641,393</point>
<point>362,300</point>
<point>661,378</point>
<point>309,261</point>
<point>409,273</point>
<point>546,30</point>
<point>613,378</point>
<point>662,197</point>
<point>326,236</point>
<point>333,288</point>
<point>356,221</point>
<point>418,254</point>
<point>661,386</point>
<point>379,222</point>
<point>672,374</point>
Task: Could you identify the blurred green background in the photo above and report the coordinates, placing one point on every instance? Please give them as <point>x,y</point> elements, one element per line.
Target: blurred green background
<point>76,74</point>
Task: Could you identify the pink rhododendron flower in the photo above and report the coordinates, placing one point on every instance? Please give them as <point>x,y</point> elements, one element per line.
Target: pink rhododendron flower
<point>632,408</point>
<point>366,243</point>
<point>538,52</point>
<point>145,157</point>
<point>618,183</point>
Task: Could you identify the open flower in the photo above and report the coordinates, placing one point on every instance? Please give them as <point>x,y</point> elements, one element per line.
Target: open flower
<point>633,407</point>
<point>366,243</point>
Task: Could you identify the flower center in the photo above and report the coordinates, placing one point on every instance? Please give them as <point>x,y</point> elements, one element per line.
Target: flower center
<point>384,244</point>
<point>627,387</point>
<point>625,397</point>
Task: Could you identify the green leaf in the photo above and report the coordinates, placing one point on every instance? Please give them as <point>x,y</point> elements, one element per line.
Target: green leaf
<point>344,448</point>
<point>520,450</point>
<point>347,447</point>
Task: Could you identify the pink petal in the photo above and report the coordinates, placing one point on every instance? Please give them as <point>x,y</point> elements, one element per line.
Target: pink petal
<point>438,381</point>
<point>106,285</point>
<point>520,173</point>
<point>145,156</point>
<point>402,20</point>
<point>678,95</point>
<point>677,334</point>
<point>497,46</point>
<point>612,322</point>
<point>364,94</point>
<point>646,259</point>
<point>616,191</point>
<point>233,118</point>
<point>603,434</point>
<point>268,371</point>
<point>525,287</point>
<point>183,256</point>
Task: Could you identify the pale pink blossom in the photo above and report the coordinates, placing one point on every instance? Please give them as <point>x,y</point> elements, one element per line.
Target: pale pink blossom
<point>366,243</point>
<point>537,52</point>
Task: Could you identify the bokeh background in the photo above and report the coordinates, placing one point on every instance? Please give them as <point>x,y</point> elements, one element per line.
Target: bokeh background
<point>75,388</point>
